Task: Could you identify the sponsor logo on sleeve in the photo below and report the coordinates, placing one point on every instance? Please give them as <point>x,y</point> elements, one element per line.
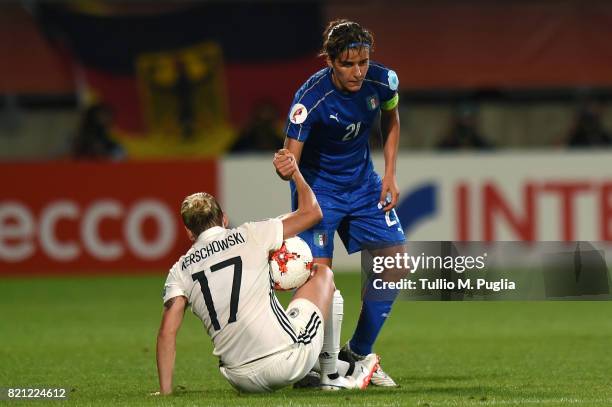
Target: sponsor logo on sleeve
<point>393,80</point>
<point>298,114</point>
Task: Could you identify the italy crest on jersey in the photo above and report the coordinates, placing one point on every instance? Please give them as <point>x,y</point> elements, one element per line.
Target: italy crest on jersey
<point>372,102</point>
<point>320,238</point>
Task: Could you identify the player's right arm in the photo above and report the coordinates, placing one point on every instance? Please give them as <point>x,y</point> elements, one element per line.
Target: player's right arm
<point>285,168</point>
<point>308,211</point>
<point>302,117</point>
<point>174,309</point>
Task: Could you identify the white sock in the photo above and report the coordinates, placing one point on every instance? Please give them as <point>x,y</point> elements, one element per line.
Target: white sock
<point>331,339</point>
<point>341,366</point>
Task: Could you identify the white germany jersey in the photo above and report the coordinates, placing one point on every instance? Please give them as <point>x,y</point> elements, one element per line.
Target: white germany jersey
<point>226,279</point>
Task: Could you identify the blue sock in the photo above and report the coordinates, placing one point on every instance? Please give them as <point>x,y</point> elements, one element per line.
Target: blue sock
<point>371,320</point>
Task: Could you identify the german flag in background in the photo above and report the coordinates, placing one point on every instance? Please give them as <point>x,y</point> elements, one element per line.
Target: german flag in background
<point>181,78</point>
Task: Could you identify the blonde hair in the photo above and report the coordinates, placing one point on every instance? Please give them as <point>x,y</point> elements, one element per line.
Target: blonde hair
<point>201,211</point>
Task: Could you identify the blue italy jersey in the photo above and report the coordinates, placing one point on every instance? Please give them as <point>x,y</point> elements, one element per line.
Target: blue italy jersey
<point>335,127</point>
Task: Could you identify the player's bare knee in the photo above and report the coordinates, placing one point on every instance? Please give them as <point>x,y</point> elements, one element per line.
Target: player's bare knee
<point>325,274</point>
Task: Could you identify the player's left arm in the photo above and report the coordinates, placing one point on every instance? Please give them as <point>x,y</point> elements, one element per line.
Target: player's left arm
<point>174,309</point>
<point>390,129</point>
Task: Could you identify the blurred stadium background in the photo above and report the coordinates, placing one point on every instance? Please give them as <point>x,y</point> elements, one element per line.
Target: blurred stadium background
<point>111,112</point>
<point>505,112</point>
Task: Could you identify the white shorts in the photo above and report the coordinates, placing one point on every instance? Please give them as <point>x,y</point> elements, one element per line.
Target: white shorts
<point>286,367</point>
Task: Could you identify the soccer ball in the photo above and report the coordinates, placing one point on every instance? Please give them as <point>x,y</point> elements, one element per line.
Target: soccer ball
<point>291,264</point>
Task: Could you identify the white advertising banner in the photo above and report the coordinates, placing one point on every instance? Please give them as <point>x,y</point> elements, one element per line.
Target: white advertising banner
<point>553,196</point>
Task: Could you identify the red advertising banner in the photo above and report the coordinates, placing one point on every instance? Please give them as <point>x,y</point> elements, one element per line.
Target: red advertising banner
<point>68,217</point>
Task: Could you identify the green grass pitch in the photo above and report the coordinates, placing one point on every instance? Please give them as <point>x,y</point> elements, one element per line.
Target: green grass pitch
<point>96,337</point>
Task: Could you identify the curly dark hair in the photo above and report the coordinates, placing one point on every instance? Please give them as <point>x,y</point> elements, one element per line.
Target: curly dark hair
<point>342,34</point>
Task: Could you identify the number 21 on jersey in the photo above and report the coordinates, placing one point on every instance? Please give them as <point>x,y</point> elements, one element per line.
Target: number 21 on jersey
<point>352,131</point>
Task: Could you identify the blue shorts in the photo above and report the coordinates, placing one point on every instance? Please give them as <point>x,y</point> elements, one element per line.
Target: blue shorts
<point>357,217</point>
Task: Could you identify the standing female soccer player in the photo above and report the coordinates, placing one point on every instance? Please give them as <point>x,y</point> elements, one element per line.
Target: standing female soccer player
<point>328,129</point>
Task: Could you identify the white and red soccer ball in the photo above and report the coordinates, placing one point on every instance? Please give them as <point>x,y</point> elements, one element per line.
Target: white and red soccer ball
<point>290,265</point>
